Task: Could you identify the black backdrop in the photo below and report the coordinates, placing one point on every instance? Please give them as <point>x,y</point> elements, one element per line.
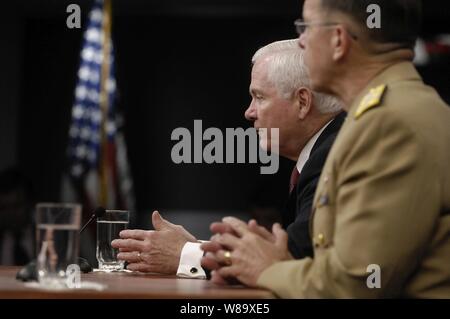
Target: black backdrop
<point>176,61</point>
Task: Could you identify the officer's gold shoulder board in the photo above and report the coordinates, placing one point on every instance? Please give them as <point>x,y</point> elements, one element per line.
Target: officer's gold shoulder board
<point>372,99</point>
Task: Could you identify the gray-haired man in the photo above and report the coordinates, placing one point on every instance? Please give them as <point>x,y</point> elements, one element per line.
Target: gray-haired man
<point>307,123</point>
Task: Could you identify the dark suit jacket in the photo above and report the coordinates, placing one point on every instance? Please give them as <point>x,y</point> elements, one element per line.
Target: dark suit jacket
<point>298,208</point>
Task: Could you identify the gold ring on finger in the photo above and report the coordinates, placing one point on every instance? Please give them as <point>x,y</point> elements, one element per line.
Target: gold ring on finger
<point>227,256</point>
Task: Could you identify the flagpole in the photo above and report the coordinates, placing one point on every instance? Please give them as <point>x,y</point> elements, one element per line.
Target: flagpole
<point>104,102</point>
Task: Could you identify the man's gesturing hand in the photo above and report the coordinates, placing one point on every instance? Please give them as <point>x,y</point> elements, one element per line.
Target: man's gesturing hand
<point>156,250</point>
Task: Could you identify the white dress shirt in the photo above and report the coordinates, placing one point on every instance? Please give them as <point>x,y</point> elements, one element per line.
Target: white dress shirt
<point>191,254</point>
<point>190,259</point>
<point>306,151</point>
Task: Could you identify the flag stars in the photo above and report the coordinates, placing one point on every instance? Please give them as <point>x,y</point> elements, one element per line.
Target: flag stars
<point>94,77</point>
<point>84,73</point>
<point>88,54</point>
<point>74,131</point>
<point>88,74</point>
<point>98,57</point>
<point>81,92</point>
<point>77,170</point>
<point>94,35</point>
<point>95,138</point>
<point>77,111</point>
<point>81,151</point>
<point>96,116</point>
<point>94,96</point>
<point>96,15</point>
<point>85,133</point>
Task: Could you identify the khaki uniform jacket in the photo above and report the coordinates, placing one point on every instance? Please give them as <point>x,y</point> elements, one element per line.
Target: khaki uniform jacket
<point>383,199</point>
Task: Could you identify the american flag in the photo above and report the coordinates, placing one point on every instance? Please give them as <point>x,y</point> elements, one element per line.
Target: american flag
<point>85,131</point>
<point>93,132</point>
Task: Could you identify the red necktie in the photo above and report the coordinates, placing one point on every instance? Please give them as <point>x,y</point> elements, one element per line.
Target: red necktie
<point>294,178</point>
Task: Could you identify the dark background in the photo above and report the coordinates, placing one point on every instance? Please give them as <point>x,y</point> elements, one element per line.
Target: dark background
<point>176,61</point>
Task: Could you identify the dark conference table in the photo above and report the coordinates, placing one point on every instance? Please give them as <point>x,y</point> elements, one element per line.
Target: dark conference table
<point>128,285</point>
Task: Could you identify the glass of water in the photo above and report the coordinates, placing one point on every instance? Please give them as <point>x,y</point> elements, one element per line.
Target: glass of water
<point>57,241</point>
<point>108,228</point>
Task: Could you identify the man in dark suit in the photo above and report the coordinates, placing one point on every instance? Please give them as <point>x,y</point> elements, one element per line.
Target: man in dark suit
<point>296,216</point>
<point>281,99</point>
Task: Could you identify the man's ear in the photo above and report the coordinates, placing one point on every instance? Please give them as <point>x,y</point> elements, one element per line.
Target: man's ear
<point>303,97</point>
<point>340,42</point>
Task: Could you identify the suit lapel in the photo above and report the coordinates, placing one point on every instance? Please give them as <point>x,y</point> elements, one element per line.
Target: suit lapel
<point>289,214</point>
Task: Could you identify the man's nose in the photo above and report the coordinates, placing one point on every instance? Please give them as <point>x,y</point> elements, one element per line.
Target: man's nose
<point>301,41</point>
<point>250,113</point>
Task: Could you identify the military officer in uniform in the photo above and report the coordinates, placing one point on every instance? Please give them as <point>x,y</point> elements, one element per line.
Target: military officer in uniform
<point>381,212</point>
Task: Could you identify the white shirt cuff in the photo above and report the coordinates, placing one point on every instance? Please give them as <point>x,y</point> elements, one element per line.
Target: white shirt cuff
<point>190,259</point>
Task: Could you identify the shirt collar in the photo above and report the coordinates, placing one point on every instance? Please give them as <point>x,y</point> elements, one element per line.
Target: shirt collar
<point>306,151</point>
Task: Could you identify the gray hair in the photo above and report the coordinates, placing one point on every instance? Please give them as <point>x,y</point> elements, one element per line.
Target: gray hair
<point>288,72</point>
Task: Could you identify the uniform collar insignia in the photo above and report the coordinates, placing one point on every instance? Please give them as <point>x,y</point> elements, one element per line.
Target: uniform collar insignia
<point>370,100</point>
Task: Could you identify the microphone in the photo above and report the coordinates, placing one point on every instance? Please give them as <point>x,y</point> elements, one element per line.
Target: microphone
<point>83,263</point>
<point>98,212</point>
